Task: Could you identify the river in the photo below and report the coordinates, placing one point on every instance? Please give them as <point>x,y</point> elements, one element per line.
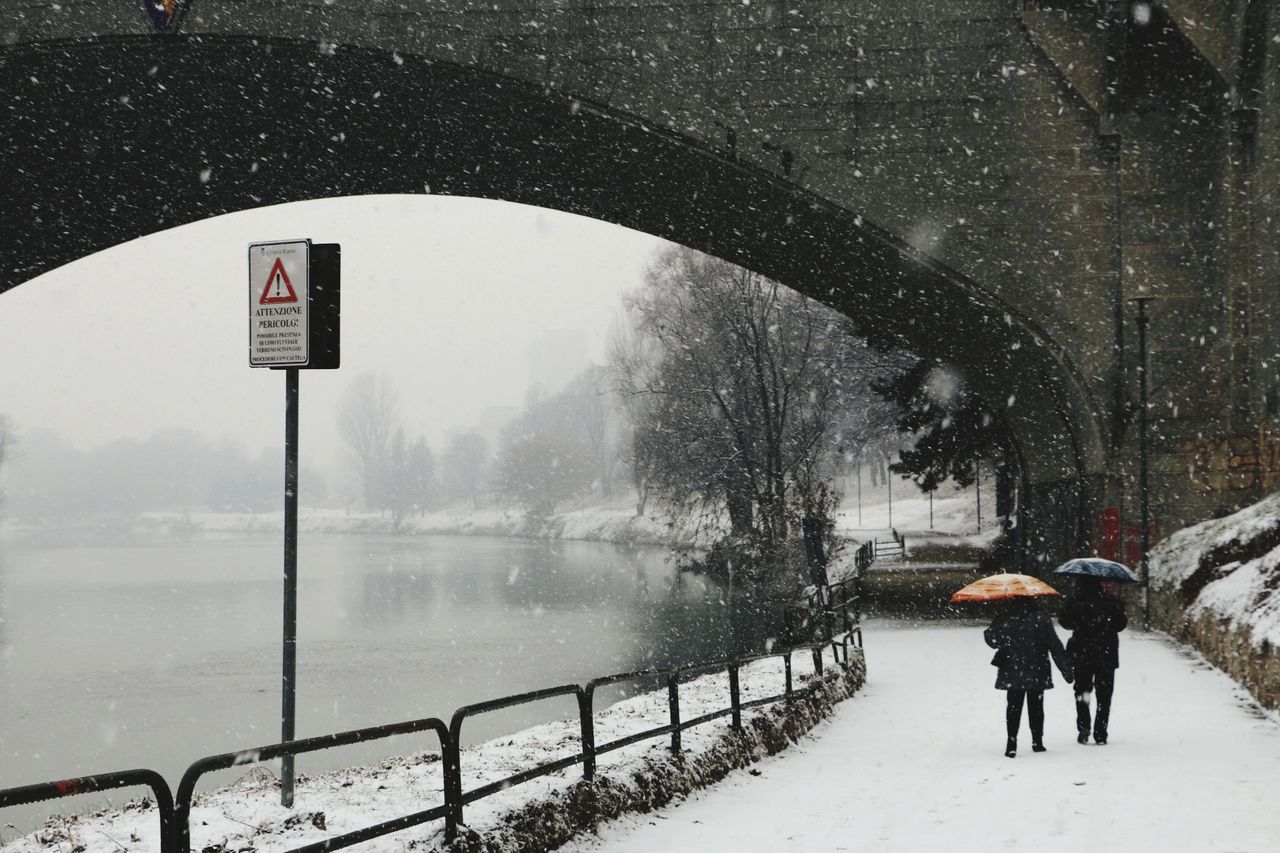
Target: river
<point>154,655</point>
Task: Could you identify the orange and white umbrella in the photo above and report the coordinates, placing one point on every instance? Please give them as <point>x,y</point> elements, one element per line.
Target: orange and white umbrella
<point>1001,587</point>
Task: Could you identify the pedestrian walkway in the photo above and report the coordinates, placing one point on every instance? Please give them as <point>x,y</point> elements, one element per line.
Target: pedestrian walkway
<point>915,762</point>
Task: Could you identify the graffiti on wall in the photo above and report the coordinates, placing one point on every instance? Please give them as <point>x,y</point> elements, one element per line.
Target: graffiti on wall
<point>1230,463</point>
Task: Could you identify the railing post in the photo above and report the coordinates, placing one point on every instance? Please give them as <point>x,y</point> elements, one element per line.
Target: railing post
<point>168,830</point>
<point>673,701</point>
<point>452,784</point>
<point>734,697</point>
<point>181,836</point>
<point>817,660</point>
<point>786,662</point>
<point>588,733</point>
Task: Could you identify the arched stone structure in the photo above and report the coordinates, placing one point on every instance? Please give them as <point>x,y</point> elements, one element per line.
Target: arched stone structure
<point>976,179</point>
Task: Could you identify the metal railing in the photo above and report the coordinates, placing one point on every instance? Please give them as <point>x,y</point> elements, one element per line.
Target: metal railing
<point>832,609</point>
<point>78,785</point>
<point>175,812</point>
<point>454,795</point>
<point>865,556</point>
<point>894,549</point>
<point>181,833</point>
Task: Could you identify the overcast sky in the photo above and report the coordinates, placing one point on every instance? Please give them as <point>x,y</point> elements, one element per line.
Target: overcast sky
<point>443,294</point>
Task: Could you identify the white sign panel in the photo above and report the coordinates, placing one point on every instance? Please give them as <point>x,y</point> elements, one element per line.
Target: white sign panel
<point>279,321</point>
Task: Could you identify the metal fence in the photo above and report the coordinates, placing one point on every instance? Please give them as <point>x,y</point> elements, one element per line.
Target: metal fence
<point>894,549</point>
<point>175,813</point>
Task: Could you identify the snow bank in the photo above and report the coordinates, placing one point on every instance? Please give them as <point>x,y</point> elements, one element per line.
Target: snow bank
<point>1183,561</point>
<point>247,815</point>
<point>1216,585</point>
<point>1228,568</point>
<point>1247,597</point>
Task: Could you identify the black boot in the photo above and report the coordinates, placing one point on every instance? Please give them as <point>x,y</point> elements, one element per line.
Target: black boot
<point>1037,745</point>
<point>1083,737</point>
<point>1011,748</point>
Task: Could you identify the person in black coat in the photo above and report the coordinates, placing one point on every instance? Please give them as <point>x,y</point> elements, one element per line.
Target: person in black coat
<point>1024,638</point>
<point>1096,620</point>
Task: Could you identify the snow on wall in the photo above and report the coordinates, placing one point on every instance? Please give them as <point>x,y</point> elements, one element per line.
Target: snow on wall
<point>1228,568</point>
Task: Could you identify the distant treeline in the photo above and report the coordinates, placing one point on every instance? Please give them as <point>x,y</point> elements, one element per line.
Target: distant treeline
<point>47,477</point>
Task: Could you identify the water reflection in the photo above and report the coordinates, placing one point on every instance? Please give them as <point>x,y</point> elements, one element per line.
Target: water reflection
<point>155,655</point>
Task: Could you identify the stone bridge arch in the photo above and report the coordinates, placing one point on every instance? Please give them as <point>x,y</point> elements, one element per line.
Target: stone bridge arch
<point>712,125</point>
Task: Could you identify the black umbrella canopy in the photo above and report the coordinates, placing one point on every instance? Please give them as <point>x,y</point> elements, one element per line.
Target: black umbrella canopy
<point>1096,567</point>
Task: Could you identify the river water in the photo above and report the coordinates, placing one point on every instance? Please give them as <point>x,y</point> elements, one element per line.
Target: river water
<point>154,655</point>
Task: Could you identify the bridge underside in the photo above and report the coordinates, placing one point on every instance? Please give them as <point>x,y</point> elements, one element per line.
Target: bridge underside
<point>109,140</point>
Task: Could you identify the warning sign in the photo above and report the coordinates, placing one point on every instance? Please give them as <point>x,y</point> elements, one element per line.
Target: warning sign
<point>279,288</point>
<point>279,316</point>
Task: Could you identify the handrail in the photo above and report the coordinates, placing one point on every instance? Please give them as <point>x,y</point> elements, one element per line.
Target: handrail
<point>589,747</point>
<point>181,841</point>
<point>454,794</point>
<point>175,811</point>
<point>76,785</point>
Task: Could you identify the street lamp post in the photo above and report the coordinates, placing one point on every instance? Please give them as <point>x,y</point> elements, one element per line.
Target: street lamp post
<point>888,478</point>
<point>859,492</point>
<point>1144,535</point>
<point>977,490</point>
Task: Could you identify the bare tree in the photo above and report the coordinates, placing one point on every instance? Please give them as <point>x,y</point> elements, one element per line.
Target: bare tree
<point>540,471</point>
<point>464,467</point>
<point>587,410</point>
<point>368,418</point>
<point>422,475</point>
<point>738,391</point>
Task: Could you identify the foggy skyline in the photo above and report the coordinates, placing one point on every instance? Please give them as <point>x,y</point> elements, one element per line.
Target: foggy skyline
<point>447,296</point>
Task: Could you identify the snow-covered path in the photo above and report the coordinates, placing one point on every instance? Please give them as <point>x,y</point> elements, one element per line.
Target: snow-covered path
<point>915,763</point>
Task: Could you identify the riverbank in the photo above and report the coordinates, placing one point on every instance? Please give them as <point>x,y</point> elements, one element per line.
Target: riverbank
<point>616,523</point>
<point>951,520</point>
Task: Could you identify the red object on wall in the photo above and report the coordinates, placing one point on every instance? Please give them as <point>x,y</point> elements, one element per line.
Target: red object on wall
<point>1108,547</point>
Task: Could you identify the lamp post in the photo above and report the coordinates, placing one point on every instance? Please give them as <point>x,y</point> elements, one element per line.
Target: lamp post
<point>888,478</point>
<point>977,490</point>
<point>859,492</point>
<point>1144,535</point>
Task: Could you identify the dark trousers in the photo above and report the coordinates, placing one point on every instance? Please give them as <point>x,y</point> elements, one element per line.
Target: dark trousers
<point>1102,682</point>
<point>1035,712</point>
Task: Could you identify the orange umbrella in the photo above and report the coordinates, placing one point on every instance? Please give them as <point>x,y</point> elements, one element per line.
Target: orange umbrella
<point>1000,587</point>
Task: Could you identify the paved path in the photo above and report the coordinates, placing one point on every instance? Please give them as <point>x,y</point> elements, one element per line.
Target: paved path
<point>915,763</point>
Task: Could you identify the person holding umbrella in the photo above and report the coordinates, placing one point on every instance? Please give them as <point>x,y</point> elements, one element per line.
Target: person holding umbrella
<point>1024,639</point>
<point>1095,620</point>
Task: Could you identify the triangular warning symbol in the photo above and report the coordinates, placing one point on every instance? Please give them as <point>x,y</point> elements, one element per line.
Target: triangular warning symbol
<point>279,288</point>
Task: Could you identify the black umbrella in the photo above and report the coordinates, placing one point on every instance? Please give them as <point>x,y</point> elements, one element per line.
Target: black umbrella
<point>1095,567</point>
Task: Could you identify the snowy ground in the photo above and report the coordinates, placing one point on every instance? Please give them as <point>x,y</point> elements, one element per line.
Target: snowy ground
<point>915,762</point>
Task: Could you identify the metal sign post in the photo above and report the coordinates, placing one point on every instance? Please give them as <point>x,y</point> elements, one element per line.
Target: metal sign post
<point>289,667</point>
<point>293,323</point>
<point>1144,536</point>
